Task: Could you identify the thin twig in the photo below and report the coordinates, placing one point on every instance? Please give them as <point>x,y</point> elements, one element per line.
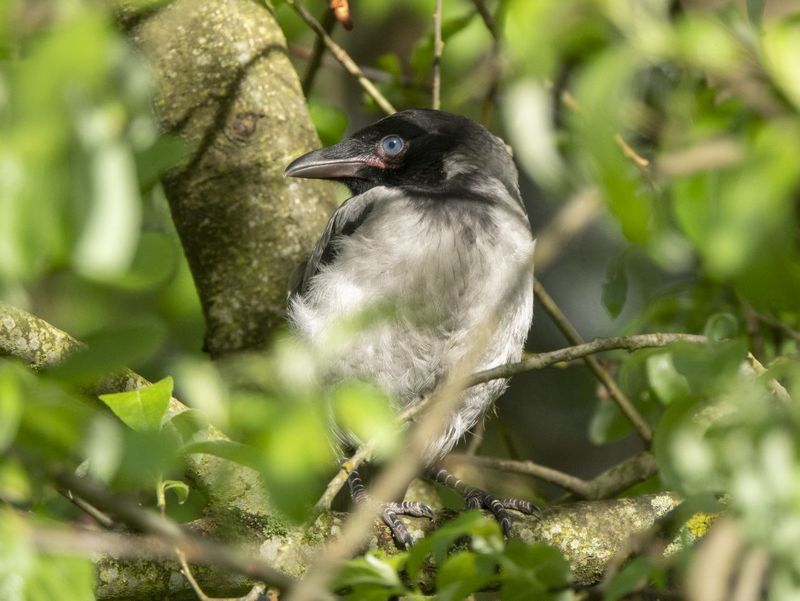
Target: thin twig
<point>639,423</point>
<point>395,478</point>
<point>362,454</point>
<point>315,60</point>
<point>372,73</point>
<point>583,350</point>
<point>487,17</point>
<point>527,468</point>
<point>98,516</point>
<point>438,45</point>
<point>187,573</point>
<point>343,57</point>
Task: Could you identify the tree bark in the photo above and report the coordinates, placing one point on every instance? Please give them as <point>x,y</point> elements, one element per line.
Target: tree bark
<point>227,87</point>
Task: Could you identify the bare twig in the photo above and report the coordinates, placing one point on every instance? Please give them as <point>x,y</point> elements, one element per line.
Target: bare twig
<point>584,350</point>
<point>614,480</point>
<point>98,516</point>
<point>372,73</point>
<point>639,423</point>
<point>317,52</point>
<point>628,151</point>
<point>487,17</point>
<point>438,45</point>
<point>527,468</point>
<point>187,573</point>
<point>343,57</point>
<point>775,387</point>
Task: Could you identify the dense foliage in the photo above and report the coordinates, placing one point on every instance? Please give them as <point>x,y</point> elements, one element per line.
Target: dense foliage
<point>684,120</point>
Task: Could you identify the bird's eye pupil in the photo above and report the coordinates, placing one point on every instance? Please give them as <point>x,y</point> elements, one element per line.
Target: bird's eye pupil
<point>392,145</point>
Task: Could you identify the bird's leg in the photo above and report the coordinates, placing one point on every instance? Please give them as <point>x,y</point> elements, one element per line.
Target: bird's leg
<point>475,498</point>
<point>390,511</point>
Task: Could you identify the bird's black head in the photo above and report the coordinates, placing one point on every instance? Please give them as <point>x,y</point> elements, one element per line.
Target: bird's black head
<point>422,151</point>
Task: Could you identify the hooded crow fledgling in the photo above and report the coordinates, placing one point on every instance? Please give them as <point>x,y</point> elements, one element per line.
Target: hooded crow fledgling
<point>436,230</point>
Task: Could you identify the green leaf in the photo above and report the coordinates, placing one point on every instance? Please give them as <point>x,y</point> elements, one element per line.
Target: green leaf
<point>615,286</point>
<point>180,488</point>
<point>439,543</point>
<point>297,458</point>
<point>632,577</point>
<point>373,572</point>
<point>464,573</point>
<point>367,413</point>
<point>11,404</point>
<point>329,121</point>
<point>531,572</point>
<point>144,408</point>
<point>110,350</point>
<point>227,449</point>
<point>755,11</point>
<point>668,384</point>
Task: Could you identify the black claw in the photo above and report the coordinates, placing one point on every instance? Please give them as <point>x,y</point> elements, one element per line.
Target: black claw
<point>400,533</point>
<point>521,505</point>
<point>478,499</point>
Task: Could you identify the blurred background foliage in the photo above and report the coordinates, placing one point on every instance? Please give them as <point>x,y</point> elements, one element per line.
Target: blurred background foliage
<point>684,117</point>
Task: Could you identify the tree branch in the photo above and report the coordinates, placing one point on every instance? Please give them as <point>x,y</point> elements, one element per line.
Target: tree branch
<point>227,87</point>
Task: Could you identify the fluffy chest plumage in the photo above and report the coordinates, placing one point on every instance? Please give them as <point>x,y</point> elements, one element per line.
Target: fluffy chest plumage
<point>432,269</point>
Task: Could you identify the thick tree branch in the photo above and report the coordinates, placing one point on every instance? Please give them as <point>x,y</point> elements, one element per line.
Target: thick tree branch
<point>227,87</point>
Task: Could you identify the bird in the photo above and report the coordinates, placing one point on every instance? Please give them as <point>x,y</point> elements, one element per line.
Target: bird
<point>437,231</point>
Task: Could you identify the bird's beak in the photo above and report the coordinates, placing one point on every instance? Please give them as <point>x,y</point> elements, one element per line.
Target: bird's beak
<point>342,160</point>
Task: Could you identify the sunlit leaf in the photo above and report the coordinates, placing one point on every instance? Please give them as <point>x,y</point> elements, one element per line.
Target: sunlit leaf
<point>143,408</point>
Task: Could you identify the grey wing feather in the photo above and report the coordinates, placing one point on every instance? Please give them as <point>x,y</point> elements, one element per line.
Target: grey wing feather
<point>344,222</point>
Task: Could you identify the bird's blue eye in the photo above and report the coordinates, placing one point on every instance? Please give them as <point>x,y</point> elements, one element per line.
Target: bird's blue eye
<point>392,145</point>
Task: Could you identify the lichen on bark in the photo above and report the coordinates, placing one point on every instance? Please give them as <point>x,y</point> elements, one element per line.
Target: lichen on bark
<point>226,86</point>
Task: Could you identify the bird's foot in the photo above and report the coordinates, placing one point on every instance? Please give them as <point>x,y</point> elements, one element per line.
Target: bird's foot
<point>476,498</point>
<point>399,531</point>
<point>479,499</point>
<point>391,511</point>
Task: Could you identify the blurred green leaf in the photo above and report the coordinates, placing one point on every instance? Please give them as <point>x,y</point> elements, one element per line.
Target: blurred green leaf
<point>664,379</point>
<point>227,449</point>
<point>11,403</point>
<point>532,572</point>
<point>144,408</point>
<point>463,573</point>
<point>632,577</point>
<point>439,543</point>
<point>110,350</point>
<point>366,412</point>
<point>180,488</point>
<point>372,577</point>
<point>29,575</point>
<point>615,287</point>
<point>330,122</point>
<point>297,457</point>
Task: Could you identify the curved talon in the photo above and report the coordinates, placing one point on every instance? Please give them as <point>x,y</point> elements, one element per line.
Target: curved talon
<point>399,531</point>
<point>478,499</point>
<point>390,511</point>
